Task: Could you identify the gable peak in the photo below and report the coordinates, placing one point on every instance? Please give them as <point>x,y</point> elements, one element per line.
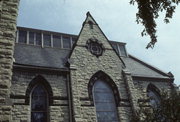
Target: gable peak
<point>88,14</point>
<point>89,19</point>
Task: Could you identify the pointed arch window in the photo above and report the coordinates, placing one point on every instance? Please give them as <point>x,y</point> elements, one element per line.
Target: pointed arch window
<point>39,104</point>
<point>154,97</point>
<point>104,101</point>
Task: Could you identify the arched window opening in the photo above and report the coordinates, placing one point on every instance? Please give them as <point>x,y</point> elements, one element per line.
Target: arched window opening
<point>100,75</point>
<point>104,101</point>
<point>39,80</point>
<point>154,97</point>
<point>39,104</point>
<point>90,24</point>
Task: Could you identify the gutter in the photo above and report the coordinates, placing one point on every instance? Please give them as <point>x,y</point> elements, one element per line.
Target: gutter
<point>32,67</point>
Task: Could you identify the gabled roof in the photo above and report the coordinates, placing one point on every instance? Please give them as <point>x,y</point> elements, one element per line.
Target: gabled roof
<point>48,57</point>
<point>139,68</point>
<point>43,57</point>
<point>31,55</point>
<point>90,19</point>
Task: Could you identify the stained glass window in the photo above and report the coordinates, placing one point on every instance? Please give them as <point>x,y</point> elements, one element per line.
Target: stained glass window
<point>39,104</point>
<point>104,102</point>
<point>95,47</point>
<point>154,98</point>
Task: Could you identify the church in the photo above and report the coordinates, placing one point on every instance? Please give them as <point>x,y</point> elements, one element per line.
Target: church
<point>60,77</point>
<point>49,76</point>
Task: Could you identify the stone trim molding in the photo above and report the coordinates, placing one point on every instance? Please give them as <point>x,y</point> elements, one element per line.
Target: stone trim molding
<point>39,80</point>
<point>154,88</point>
<point>103,76</point>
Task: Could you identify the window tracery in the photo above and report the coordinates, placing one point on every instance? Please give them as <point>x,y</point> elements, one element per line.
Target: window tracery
<point>95,47</point>
<point>154,97</point>
<point>104,102</point>
<point>39,104</point>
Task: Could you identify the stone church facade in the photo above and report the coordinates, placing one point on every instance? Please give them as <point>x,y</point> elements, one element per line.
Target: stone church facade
<point>55,77</point>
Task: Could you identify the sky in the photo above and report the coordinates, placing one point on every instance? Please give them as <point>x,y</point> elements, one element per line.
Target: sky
<point>116,18</point>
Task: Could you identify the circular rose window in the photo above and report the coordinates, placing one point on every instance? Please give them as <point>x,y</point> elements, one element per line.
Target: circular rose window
<point>94,47</point>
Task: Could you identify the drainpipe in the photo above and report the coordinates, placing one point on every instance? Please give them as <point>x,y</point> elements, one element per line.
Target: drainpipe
<point>69,90</point>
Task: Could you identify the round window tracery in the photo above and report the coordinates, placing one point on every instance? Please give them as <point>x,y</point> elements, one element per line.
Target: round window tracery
<point>95,47</point>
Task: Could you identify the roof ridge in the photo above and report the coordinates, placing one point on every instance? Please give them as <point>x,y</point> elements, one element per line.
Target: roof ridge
<point>149,65</point>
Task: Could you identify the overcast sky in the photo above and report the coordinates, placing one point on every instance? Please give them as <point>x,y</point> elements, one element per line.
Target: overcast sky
<point>117,20</point>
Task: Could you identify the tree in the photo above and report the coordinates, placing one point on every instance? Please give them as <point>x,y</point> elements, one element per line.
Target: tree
<point>148,11</point>
<point>167,111</point>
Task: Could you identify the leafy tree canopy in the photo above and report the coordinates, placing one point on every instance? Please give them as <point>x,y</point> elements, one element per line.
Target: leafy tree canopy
<point>148,11</point>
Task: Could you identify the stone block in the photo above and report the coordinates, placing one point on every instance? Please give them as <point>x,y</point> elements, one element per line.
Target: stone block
<point>4,92</point>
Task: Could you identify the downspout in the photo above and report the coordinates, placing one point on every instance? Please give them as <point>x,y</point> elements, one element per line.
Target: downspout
<point>69,90</point>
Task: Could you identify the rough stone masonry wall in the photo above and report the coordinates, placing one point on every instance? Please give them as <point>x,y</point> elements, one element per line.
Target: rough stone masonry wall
<point>8,15</point>
<point>84,65</point>
<point>58,111</point>
<point>141,86</point>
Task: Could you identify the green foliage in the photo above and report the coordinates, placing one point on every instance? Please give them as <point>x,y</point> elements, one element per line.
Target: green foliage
<point>167,111</point>
<point>148,11</point>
